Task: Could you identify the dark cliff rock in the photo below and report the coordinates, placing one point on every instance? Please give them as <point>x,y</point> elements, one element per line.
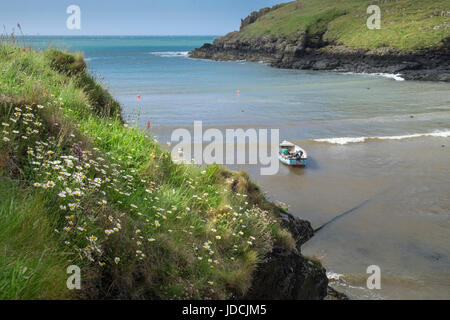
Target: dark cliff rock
<point>287,274</point>
<point>306,52</point>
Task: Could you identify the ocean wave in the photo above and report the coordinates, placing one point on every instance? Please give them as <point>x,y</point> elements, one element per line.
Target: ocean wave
<point>91,58</point>
<point>334,276</point>
<point>396,77</point>
<point>346,140</point>
<point>171,54</point>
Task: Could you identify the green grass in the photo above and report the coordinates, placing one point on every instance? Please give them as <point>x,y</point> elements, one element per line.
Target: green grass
<point>32,264</point>
<point>405,24</point>
<point>80,187</point>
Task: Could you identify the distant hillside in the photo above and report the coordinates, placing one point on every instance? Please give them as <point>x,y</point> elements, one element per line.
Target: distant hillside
<point>329,35</point>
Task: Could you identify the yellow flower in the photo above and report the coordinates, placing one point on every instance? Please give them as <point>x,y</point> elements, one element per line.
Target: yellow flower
<point>218,237</point>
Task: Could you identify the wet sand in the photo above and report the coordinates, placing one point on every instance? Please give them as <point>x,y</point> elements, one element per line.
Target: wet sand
<point>398,195</point>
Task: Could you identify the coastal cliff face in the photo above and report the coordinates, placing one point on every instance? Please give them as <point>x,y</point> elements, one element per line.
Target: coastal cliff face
<point>313,47</point>
<point>303,53</point>
<point>287,274</point>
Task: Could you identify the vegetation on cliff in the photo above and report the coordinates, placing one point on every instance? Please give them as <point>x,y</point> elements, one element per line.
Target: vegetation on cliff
<point>80,187</point>
<point>405,24</point>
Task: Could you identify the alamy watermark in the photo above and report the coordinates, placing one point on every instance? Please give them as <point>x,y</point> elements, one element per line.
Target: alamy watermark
<point>374,21</point>
<point>73,22</point>
<point>374,280</point>
<point>192,150</point>
<point>74,280</point>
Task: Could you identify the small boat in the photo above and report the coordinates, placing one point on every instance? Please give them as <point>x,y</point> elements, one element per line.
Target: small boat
<point>292,155</point>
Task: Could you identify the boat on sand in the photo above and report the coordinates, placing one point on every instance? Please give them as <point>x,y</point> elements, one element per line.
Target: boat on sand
<point>292,155</point>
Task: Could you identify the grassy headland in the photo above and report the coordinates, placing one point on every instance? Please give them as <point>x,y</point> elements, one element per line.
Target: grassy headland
<point>405,24</point>
<point>80,187</point>
<point>414,38</point>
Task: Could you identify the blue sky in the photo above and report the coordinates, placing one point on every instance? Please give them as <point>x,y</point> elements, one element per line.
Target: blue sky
<point>130,17</point>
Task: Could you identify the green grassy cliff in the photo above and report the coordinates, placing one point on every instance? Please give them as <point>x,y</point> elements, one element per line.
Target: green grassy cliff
<point>80,187</point>
<point>405,24</point>
<point>413,39</point>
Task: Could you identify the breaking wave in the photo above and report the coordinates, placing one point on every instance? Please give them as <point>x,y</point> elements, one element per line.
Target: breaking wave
<point>171,54</point>
<point>396,77</point>
<point>346,140</point>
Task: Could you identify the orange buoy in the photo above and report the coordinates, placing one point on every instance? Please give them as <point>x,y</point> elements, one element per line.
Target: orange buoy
<point>139,96</point>
<point>239,92</point>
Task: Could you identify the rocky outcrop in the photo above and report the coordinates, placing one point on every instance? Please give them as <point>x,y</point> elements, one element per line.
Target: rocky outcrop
<point>287,274</point>
<point>255,15</point>
<point>309,51</point>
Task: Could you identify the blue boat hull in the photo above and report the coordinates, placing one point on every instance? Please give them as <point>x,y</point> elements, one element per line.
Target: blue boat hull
<point>293,163</point>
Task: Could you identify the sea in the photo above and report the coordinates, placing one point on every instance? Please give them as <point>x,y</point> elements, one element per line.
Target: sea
<point>378,173</point>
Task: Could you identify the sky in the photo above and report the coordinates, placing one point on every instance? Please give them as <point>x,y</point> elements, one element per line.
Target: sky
<point>128,17</point>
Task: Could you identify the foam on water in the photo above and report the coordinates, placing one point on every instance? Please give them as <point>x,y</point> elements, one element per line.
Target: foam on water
<point>346,140</point>
<point>171,54</point>
<point>396,77</point>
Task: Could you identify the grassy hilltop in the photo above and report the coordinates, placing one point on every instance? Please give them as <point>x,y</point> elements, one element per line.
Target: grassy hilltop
<point>79,187</point>
<point>405,24</point>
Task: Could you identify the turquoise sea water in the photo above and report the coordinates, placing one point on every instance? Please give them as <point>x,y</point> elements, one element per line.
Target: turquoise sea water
<point>176,90</point>
<point>377,147</point>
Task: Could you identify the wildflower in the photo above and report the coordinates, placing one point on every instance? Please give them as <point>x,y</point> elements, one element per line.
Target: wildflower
<point>151,240</point>
<point>117,260</point>
<point>63,207</point>
<point>50,184</point>
<point>218,237</point>
<point>101,264</point>
<point>37,184</point>
<point>5,139</point>
<point>62,194</point>
<point>92,238</point>
<point>211,282</point>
